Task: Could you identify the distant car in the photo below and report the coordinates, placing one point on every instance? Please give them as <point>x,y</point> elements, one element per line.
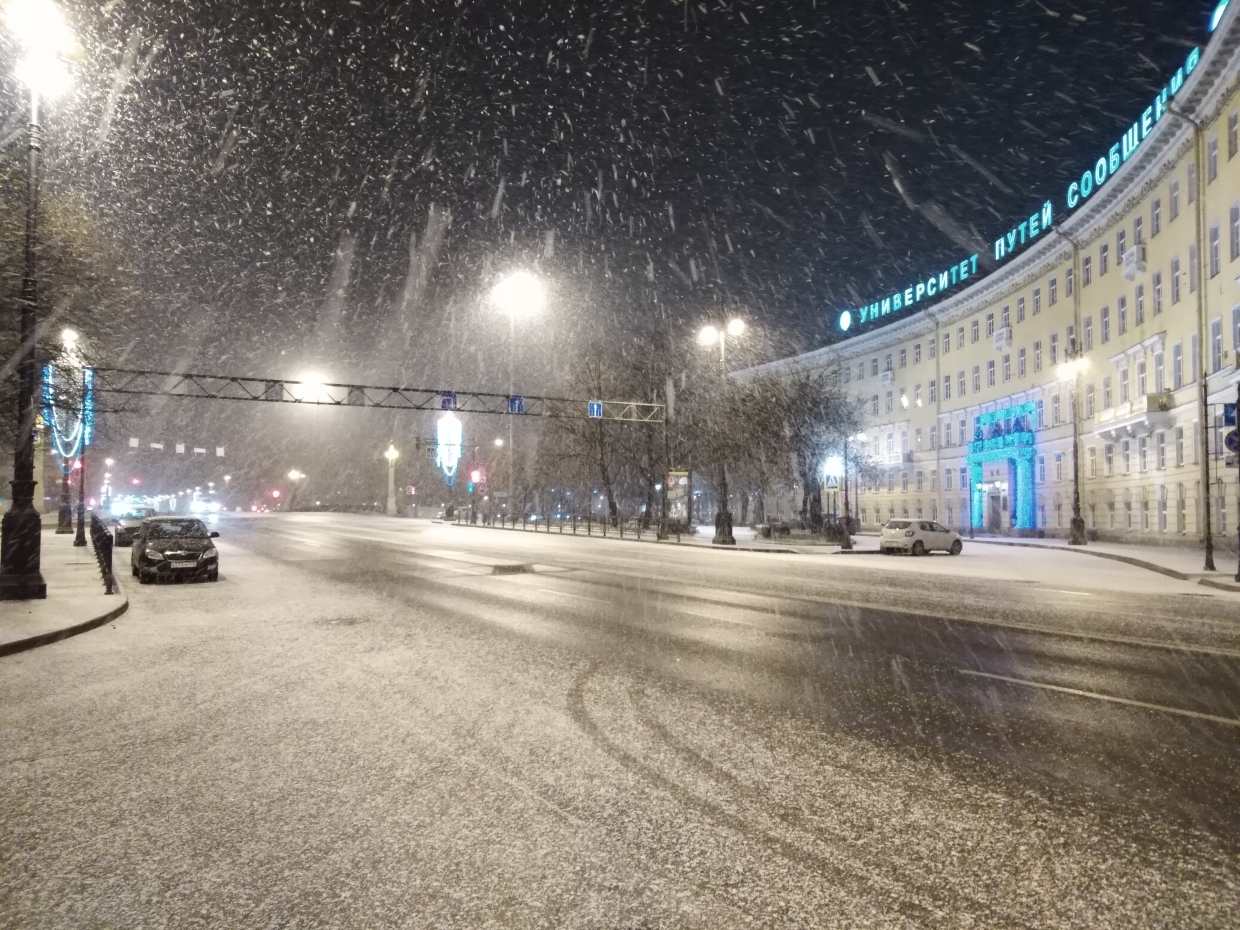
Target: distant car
<point>127,525</point>
<point>174,547</point>
<point>918,537</point>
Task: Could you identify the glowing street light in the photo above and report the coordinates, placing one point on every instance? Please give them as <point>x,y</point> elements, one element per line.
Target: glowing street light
<point>707,336</point>
<point>391,455</point>
<point>519,295</point>
<point>45,38</point>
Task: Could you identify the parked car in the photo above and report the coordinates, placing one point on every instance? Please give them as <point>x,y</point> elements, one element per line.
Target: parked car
<point>918,537</point>
<point>174,547</point>
<point>127,525</point>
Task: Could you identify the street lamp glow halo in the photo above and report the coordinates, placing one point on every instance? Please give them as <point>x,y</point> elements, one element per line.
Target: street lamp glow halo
<point>519,295</point>
<point>708,336</point>
<point>736,326</point>
<point>40,27</point>
<point>1069,370</point>
<point>391,454</point>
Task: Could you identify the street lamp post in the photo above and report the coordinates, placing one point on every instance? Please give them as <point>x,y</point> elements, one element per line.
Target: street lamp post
<point>708,336</point>
<point>1070,373</point>
<point>295,478</point>
<point>391,455</point>
<point>80,538</point>
<point>42,32</point>
<point>519,294</point>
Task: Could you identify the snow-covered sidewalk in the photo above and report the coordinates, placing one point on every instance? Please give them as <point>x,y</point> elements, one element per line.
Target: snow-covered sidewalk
<point>75,600</point>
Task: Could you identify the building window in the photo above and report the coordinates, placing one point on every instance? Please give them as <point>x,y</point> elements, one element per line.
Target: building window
<point>1125,453</point>
<point>1177,366</point>
<point>1087,273</point>
<point>964,483</point>
<point>917,448</point>
<point>964,438</point>
<point>904,358</point>
<point>1106,392</point>
<point>1234,226</point>
<point>931,348</point>
<point>1041,469</point>
<point>1054,348</point>
<point>1089,400</point>
<point>960,337</point>
<point>1233,134</point>
<point>1141,379</point>
<point>1138,310</point>
<point>916,353</point>
<point>1157,283</point>
<point>874,405</point>
<point>860,371</point>
<point>1175,280</point>
<point>1160,373</point>
<point>990,373</point>
<point>1040,413</point>
<point>1059,466</point>
<point>1175,200</point>
<point>847,373</point>
<point>1052,294</point>
<point>1160,449</point>
<point>1179,446</point>
<point>934,435</point>
<point>947,387</point>
<point>890,402</point>
<point>1105,317</point>
<point>1123,385</point>
<point>960,384</point>
<point>1211,159</point>
<point>947,343</point>
<point>1143,454</point>
<point>1108,459</point>
<point>1037,356</point>
<point>1020,363</point>
<point>1214,258</point>
<point>1137,230</point>
<point>1006,319</point>
<point>1069,277</point>
<point>1070,342</point>
<point>1020,307</point>
<point>1055,419</point>
<point>977,378</point>
<point>874,367</point>
<point>934,392</point>
<point>1121,245</point>
<point>947,441</point>
<point>1156,217</point>
<point>904,484</point>
<point>1092,456</point>
<point>1121,314</point>
<point>974,329</point>
<point>1007,368</point>
<point>887,362</point>
<point>1216,345</point>
<point>1089,332</point>
<point>1104,259</point>
<point>934,479</point>
<point>917,395</point>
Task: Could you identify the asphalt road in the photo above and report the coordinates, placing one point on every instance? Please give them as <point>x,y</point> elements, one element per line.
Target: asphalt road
<point>372,723</point>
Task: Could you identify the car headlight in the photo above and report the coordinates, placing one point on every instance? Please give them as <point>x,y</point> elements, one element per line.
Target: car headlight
<point>154,554</point>
<point>210,554</point>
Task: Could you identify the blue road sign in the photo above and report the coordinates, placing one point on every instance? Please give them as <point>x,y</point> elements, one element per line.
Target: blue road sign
<point>447,402</point>
<point>1229,414</point>
<point>516,405</point>
<point>594,409</point>
<point>1232,441</point>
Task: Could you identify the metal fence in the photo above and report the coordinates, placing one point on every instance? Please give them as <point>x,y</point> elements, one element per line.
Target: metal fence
<point>570,524</point>
<point>101,541</point>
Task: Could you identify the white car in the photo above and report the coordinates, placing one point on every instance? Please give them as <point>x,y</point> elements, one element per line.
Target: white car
<point>918,537</point>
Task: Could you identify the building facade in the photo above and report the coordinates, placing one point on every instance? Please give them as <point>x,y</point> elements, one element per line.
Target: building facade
<point>1117,327</point>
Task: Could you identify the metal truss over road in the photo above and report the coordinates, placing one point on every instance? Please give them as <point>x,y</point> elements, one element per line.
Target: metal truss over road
<point>278,390</point>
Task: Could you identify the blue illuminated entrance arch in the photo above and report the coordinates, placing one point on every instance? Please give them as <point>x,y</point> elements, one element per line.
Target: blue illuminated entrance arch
<point>1005,436</point>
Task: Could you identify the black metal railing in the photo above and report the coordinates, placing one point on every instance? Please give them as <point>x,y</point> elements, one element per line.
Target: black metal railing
<point>638,528</point>
<point>101,542</point>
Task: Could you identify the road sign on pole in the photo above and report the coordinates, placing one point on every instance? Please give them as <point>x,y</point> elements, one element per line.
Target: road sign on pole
<point>1229,414</point>
<point>447,401</point>
<point>594,409</point>
<point>516,405</point>
<point>1232,441</point>
<point>833,483</point>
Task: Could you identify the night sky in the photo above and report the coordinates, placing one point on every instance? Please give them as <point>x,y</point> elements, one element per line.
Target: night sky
<point>261,168</point>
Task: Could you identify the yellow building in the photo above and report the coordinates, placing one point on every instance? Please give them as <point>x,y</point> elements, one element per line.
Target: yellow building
<point>1126,284</point>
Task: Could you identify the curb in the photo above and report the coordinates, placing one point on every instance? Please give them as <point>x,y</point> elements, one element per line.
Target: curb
<point>661,542</point>
<point>55,636</point>
<point>1114,557</point>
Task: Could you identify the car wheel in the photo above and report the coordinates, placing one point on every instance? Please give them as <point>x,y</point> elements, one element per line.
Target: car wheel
<point>956,547</point>
<point>919,547</point>
<point>144,578</point>
<point>133,570</point>
<point>214,576</point>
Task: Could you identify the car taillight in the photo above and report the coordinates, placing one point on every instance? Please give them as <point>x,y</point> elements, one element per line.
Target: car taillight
<point>908,532</point>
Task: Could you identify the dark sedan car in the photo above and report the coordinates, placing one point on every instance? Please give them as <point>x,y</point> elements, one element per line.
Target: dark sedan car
<point>174,547</point>
<point>127,525</point>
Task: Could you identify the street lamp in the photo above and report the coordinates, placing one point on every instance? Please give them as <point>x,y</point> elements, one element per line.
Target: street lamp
<point>391,455</point>
<point>519,294</point>
<point>1070,372</point>
<point>707,336</point>
<point>41,30</point>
